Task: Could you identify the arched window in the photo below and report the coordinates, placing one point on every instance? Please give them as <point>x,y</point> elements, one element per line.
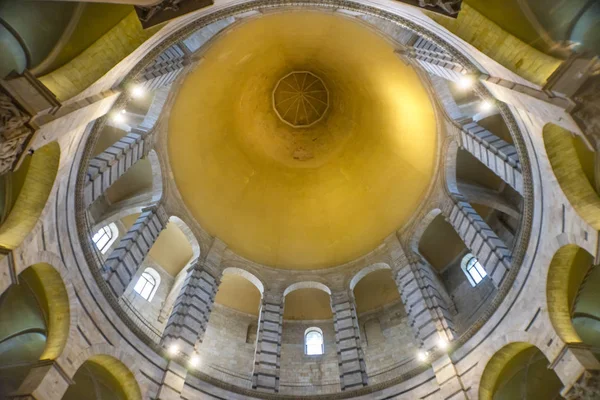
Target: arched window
<point>313,342</point>
<point>147,284</point>
<point>473,269</point>
<point>105,237</point>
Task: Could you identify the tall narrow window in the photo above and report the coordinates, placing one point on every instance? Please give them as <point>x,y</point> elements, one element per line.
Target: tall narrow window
<point>147,284</point>
<point>473,269</point>
<point>105,237</point>
<point>313,342</point>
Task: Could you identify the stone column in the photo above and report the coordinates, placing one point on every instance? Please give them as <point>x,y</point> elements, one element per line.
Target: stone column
<point>166,67</point>
<point>579,371</point>
<point>480,239</point>
<point>106,168</point>
<point>124,260</point>
<point>495,153</point>
<point>428,311</point>
<point>351,359</point>
<point>189,319</point>
<point>45,381</point>
<point>265,375</point>
<point>172,383</point>
<point>451,386</point>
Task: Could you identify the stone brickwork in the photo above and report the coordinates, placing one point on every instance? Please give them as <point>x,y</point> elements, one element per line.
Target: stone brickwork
<point>124,260</point>
<point>495,153</point>
<point>166,67</point>
<point>107,167</point>
<point>265,376</point>
<point>434,60</point>
<point>310,374</point>
<point>481,240</point>
<point>172,383</point>
<point>188,321</point>
<point>451,386</point>
<point>428,313</point>
<point>351,359</point>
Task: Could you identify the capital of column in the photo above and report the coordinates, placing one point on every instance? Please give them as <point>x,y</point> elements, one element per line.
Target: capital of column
<point>46,380</point>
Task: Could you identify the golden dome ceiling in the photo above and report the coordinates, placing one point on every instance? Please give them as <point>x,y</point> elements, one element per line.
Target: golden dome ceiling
<point>328,190</point>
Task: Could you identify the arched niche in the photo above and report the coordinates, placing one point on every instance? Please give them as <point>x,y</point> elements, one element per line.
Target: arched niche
<point>35,178</point>
<point>103,377</point>
<point>34,323</point>
<point>567,272</point>
<point>519,370</point>
<point>374,287</point>
<point>240,290</point>
<point>573,167</point>
<point>307,301</point>
<point>439,243</point>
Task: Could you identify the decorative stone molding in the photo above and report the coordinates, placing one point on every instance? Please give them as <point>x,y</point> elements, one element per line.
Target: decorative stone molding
<point>166,10</point>
<point>587,387</point>
<point>22,97</point>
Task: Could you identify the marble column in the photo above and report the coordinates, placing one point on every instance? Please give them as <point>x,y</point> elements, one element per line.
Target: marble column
<point>479,238</point>
<point>498,155</point>
<point>165,68</point>
<point>172,383</point>
<point>189,319</point>
<point>351,359</point>
<point>428,309</point>
<point>450,383</point>
<point>267,355</point>
<point>107,167</point>
<point>123,262</point>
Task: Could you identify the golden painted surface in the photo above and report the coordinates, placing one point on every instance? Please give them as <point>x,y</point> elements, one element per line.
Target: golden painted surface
<point>307,304</point>
<point>121,373</point>
<point>497,367</point>
<point>375,290</point>
<point>238,293</point>
<point>302,198</point>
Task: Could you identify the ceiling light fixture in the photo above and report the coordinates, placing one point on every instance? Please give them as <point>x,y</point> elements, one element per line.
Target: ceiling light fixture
<point>486,105</point>
<point>118,117</point>
<point>194,361</point>
<point>422,355</point>
<point>173,349</point>
<point>442,344</point>
<point>137,92</point>
<point>465,82</point>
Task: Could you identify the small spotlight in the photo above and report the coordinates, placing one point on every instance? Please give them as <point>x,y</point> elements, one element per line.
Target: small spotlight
<point>465,82</point>
<point>422,355</point>
<point>173,349</point>
<point>137,92</point>
<point>486,105</point>
<point>118,117</point>
<point>442,344</point>
<point>123,111</point>
<point>194,361</point>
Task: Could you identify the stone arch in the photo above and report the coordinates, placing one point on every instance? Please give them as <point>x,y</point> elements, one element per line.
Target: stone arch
<point>119,363</point>
<point>157,178</point>
<point>366,271</point>
<point>422,227</point>
<point>504,362</point>
<point>183,227</point>
<point>566,274</point>
<point>572,178</point>
<point>245,274</point>
<point>483,376</point>
<point>59,297</point>
<point>451,152</point>
<point>306,285</point>
<point>32,199</point>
